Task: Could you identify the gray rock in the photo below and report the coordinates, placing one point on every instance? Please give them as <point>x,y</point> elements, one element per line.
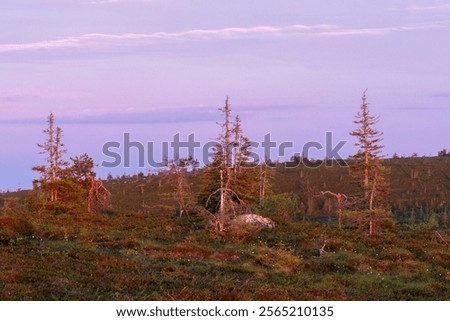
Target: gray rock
<point>255,220</point>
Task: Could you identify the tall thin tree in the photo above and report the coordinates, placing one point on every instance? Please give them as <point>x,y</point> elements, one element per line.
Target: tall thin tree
<point>180,168</point>
<point>226,181</point>
<point>54,150</point>
<point>225,155</point>
<point>366,162</point>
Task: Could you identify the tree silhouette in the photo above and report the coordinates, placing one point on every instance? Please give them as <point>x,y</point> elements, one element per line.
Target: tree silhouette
<point>367,162</point>
<point>229,180</point>
<point>179,168</point>
<point>70,186</point>
<point>54,150</point>
<point>82,173</point>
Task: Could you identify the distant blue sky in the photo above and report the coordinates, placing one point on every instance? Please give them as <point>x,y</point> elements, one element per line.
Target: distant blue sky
<point>157,67</point>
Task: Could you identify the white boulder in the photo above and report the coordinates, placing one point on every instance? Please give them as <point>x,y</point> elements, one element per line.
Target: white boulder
<point>254,219</point>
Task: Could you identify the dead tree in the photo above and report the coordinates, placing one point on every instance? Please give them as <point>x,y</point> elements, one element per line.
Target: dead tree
<point>340,198</point>
<point>227,207</point>
<point>179,168</point>
<point>438,236</point>
<point>322,249</point>
<point>99,197</point>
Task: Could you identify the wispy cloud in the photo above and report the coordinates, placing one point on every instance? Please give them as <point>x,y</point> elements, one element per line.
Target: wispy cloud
<point>10,98</point>
<point>124,117</point>
<point>436,7</point>
<point>100,2</point>
<point>93,39</point>
<point>378,31</point>
<point>105,1</point>
<point>442,94</point>
<point>115,1</point>
<point>147,115</point>
<point>100,40</point>
<point>422,108</point>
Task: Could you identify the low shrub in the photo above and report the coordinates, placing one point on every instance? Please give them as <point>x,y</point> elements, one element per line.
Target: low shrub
<point>15,227</point>
<point>280,207</point>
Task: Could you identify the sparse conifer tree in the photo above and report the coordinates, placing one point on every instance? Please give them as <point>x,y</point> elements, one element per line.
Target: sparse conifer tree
<point>82,173</point>
<point>229,180</point>
<point>70,187</point>
<point>367,161</point>
<point>54,150</point>
<point>81,170</point>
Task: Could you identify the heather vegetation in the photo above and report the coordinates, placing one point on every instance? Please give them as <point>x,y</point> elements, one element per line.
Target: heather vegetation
<point>377,229</point>
<point>160,256</point>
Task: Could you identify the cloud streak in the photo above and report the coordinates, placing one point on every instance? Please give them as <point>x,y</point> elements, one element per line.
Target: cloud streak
<point>158,116</point>
<point>96,2</point>
<point>105,41</point>
<point>438,7</point>
<point>149,115</point>
<point>105,1</point>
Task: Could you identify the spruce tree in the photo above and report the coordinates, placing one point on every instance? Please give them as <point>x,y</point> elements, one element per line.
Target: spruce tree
<point>367,161</point>
<point>229,180</point>
<point>245,180</point>
<point>54,150</point>
<point>68,187</point>
<point>366,164</point>
<point>217,176</point>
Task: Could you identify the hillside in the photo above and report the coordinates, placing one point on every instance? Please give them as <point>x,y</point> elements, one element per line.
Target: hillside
<point>163,257</point>
<point>418,187</point>
<point>142,250</point>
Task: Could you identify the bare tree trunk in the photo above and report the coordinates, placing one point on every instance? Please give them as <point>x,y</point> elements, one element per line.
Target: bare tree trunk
<point>222,196</point>
<point>262,182</point>
<point>310,197</point>
<point>183,210</point>
<point>339,197</point>
<point>339,210</point>
<point>53,194</point>
<point>91,194</point>
<point>372,193</point>
<point>322,249</point>
<point>98,195</point>
<point>366,181</point>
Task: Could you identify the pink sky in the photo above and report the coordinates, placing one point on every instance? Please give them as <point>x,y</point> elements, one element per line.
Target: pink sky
<point>154,68</point>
